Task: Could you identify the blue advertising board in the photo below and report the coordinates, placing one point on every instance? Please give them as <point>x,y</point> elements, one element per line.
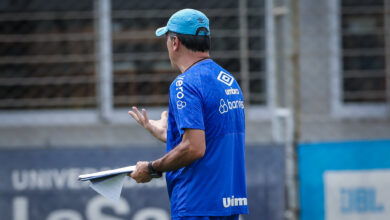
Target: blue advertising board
<point>345,180</point>
<point>41,184</point>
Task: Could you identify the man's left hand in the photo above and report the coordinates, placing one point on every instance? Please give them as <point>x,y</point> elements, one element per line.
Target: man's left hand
<point>141,172</point>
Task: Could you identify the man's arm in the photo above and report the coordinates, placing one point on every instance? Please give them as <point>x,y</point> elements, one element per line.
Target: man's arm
<point>191,148</point>
<point>158,128</point>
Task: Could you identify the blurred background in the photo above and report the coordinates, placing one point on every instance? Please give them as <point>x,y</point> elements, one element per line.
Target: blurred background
<point>315,76</point>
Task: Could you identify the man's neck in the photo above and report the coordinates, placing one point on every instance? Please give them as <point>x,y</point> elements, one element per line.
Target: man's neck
<point>189,59</point>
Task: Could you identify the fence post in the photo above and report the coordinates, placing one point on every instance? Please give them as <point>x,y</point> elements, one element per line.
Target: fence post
<point>283,69</point>
<point>244,50</point>
<point>387,51</point>
<point>103,54</point>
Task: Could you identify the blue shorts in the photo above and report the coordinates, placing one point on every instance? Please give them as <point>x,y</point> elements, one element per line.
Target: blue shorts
<point>231,217</point>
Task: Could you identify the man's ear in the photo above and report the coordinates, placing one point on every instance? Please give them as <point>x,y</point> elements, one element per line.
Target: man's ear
<point>175,43</point>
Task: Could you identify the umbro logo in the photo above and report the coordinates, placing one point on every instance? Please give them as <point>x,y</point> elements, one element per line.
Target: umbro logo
<point>225,78</point>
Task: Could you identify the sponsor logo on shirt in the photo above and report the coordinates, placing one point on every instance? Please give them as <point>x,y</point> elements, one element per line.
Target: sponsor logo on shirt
<point>180,93</point>
<point>181,104</point>
<point>225,78</point>
<point>231,201</point>
<point>232,91</point>
<point>224,107</point>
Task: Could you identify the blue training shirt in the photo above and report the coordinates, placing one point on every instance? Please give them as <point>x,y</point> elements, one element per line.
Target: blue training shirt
<point>207,97</point>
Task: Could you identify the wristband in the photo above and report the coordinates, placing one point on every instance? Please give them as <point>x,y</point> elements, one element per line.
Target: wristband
<point>153,173</point>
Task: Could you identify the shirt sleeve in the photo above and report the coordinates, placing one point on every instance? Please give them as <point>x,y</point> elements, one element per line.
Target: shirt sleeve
<point>187,104</point>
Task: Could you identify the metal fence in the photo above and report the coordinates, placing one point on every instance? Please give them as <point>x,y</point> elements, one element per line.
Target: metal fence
<point>46,54</point>
<point>363,51</point>
<point>345,70</point>
<point>52,54</point>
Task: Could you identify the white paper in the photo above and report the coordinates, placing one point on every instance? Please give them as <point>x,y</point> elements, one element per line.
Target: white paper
<point>106,173</point>
<point>110,188</point>
<point>108,183</point>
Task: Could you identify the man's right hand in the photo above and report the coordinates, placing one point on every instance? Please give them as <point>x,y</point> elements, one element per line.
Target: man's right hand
<point>157,128</point>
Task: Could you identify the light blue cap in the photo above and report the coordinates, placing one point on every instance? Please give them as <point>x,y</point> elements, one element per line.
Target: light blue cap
<point>186,21</point>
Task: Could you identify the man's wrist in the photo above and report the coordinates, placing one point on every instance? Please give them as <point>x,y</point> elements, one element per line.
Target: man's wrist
<point>152,172</point>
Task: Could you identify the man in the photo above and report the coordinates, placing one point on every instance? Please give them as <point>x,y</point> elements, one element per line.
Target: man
<point>204,129</point>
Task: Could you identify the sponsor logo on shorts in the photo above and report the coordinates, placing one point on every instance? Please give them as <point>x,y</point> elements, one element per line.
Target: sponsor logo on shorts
<point>225,78</point>
<point>231,201</point>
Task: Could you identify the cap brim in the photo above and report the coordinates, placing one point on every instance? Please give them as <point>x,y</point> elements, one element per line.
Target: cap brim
<point>161,31</point>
